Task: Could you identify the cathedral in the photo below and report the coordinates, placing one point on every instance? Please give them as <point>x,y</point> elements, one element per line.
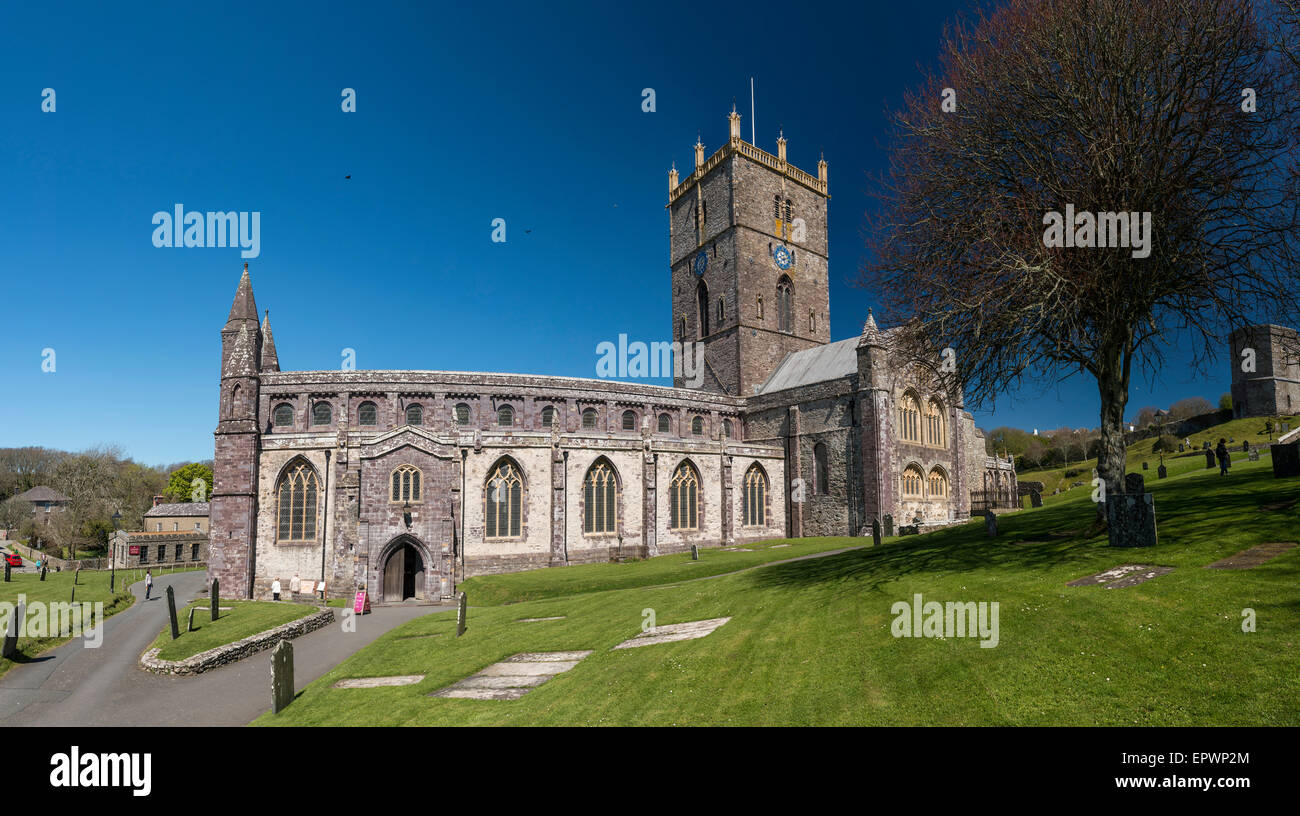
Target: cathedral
<point>404,483</point>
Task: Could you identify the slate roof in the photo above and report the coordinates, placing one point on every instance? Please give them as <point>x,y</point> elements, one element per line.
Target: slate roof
<point>817,364</point>
<point>41,493</point>
<point>180,509</point>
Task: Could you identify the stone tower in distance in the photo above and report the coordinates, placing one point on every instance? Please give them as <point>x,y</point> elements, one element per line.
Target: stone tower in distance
<point>1265,371</point>
<point>748,253</point>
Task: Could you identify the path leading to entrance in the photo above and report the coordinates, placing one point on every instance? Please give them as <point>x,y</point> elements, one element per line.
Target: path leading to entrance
<point>73,685</point>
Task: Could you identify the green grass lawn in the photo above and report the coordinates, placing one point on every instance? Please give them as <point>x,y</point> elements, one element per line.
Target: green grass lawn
<point>57,586</point>
<point>243,619</point>
<point>809,642</point>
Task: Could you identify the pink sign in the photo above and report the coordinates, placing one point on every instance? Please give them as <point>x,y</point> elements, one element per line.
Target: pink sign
<point>361,605</point>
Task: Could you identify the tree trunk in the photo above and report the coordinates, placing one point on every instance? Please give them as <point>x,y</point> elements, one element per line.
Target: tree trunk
<point>1112,387</point>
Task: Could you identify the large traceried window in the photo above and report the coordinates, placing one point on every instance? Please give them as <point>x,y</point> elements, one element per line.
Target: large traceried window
<point>785,304</point>
<point>934,425</point>
<point>297,497</point>
<point>909,419</point>
<point>683,498</point>
<point>282,417</point>
<point>414,415</point>
<point>600,500</point>
<point>754,499</point>
<point>368,414</point>
<point>938,483</point>
<point>406,484</point>
<point>503,501</point>
<point>912,479</point>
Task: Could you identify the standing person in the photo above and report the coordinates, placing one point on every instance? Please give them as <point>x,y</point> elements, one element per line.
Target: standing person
<point>148,583</point>
<point>275,590</point>
<point>1225,461</point>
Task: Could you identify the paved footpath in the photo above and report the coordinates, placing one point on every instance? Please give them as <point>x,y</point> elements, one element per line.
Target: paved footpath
<point>76,686</point>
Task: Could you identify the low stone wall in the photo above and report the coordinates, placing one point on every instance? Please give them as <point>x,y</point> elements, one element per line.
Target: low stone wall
<point>240,649</point>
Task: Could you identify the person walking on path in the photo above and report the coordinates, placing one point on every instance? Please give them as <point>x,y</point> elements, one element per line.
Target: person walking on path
<point>148,583</point>
<point>1225,461</point>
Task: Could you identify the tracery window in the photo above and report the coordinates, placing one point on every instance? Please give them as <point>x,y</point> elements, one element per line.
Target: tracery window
<point>406,485</point>
<point>909,419</point>
<point>683,495</point>
<point>297,496</point>
<point>754,498</point>
<point>785,304</point>
<point>600,499</point>
<point>912,482</point>
<point>503,501</point>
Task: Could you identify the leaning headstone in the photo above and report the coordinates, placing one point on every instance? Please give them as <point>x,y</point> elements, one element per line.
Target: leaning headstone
<point>695,552</point>
<point>215,598</point>
<point>189,627</point>
<point>171,612</point>
<point>1286,460</point>
<point>1132,521</point>
<point>281,676</point>
<point>1035,499</point>
<point>875,532</point>
<point>990,524</point>
<point>1134,484</point>
<point>1162,472</point>
<point>11,632</point>
<point>1209,458</point>
<point>1146,465</point>
<point>889,525</point>
<point>462,611</point>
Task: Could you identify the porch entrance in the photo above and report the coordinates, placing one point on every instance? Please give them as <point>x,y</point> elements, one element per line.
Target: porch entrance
<point>403,575</point>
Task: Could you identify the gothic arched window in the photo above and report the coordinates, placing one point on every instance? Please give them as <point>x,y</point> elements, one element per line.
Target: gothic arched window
<point>367,414</point>
<point>785,304</point>
<point>283,415</point>
<point>697,426</point>
<point>414,415</point>
<point>297,496</point>
<point>506,416</point>
<point>503,501</point>
<point>321,413</point>
<point>462,414</point>
<point>754,498</point>
<point>665,423</point>
<point>909,419</point>
<point>406,485</point>
<point>683,498</point>
<point>912,480</point>
<point>726,428</point>
<point>938,483</point>
<point>934,426</point>
<point>600,499</point>
<point>702,297</point>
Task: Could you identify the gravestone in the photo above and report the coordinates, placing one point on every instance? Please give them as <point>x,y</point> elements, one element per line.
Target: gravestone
<point>1134,484</point>
<point>11,632</point>
<point>1132,521</point>
<point>189,627</point>
<point>1146,465</point>
<point>695,552</point>
<point>76,576</point>
<point>1162,472</point>
<point>6,570</point>
<point>1205,445</point>
<point>1245,447</point>
<point>216,595</point>
<point>171,612</point>
<point>1253,456</point>
<point>1286,460</point>
<point>462,611</point>
<point>43,571</point>
<point>1286,426</point>
<point>1209,458</point>
<point>990,524</point>
<point>1232,440</point>
<point>875,532</point>
<point>889,525</point>
<point>1035,499</point>
<point>73,599</point>
<point>112,581</point>
<point>1180,447</point>
<point>281,676</point>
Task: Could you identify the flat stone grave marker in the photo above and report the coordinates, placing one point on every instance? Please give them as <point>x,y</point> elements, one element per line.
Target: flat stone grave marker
<point>513,677</point>
<point>1253,556</point>
<point>1273,507</point>
<point>1126,575</point>
<point>674,632</point>
<point>539,620</point>
<point>171,612</point>
<point>379,682</point>
<point>778,546</point>
<point>462,612</point>
<point>281,676</point>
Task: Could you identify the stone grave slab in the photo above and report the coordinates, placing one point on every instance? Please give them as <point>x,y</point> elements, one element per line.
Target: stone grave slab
<point>674,632</point>
<point>1125,575</point>
<point>1253,556</point>
<point>379,682</point>
<point>539,620</point>
<point>513,677</point>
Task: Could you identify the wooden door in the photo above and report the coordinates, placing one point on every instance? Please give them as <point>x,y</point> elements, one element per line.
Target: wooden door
<point>394,573</point>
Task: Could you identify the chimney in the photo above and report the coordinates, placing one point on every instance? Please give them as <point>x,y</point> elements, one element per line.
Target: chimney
<point>157,500</point>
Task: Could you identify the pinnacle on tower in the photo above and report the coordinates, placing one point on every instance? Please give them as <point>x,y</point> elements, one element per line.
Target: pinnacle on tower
<point>270,360</point>
<point>244,307</point>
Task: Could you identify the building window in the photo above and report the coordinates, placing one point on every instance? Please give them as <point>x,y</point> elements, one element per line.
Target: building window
<point>144,554</point>
<point>462,414</point>
<point>368,414</point>
<point>157,529</point>
<point>754,498</point>
<point>909,419</point>
<point>176,526</point>
<point>722,311</point>
<point>179,552</point>
<point>503,502</point>
<point>283,415</point>
<point>321,413</point>
<point>629,420</point>
<point>194,551</point>
<point>759,299</point>
<point>681,333</point>
<point>726,428</point>
<point>702,298</point>
<point>789,211</point>
<point>589,419</point>
<point>162,553</point>
<point>600,500</point>
<point>414,415</point>
<point>683,498</point>
<point>938,484</point>
<point>785,304</point>
<point>548,417</point>
<point>697,426</point>
<point>297,496</point>
<point>198,525</point>
<point>812,322</point>
<point>912,479</point>
<point>506,416</point>
<point>821,470</point>
<point>934,426</point>
<point>406,484</point>
<point>665,423</point>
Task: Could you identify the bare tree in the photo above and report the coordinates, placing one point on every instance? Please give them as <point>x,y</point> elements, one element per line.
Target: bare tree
<point>1101,107</point>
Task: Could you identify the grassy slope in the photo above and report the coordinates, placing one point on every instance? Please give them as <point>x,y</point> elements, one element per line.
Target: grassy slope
<point>809,642</point>
<point>57,586</point>
<point>243,619</point>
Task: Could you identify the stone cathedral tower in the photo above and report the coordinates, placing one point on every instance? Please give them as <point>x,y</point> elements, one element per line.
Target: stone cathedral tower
<point>748,253</point>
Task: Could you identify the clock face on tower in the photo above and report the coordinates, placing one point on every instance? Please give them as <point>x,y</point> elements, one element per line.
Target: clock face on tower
<point>782,257</point>
<point>701,263</point>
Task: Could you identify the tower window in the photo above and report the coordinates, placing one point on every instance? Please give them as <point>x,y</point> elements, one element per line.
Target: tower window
<point>785,304</point>
<point>722,311</point>
<point>789,210</point>
<point>812,322</point>
<point>702,298</point>
<point>759,299</point>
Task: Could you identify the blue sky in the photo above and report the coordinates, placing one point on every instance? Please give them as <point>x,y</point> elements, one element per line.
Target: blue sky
<point>465,113</point>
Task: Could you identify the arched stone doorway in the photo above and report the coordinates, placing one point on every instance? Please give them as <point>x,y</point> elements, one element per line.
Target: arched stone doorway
<point>403,575</point>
